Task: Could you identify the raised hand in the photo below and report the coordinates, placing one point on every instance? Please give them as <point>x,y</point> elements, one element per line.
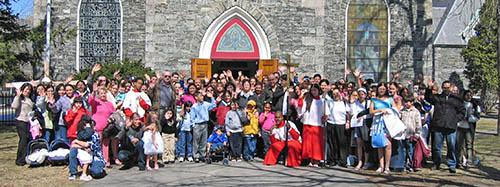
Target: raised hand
<point>116,75</point>
<point>96,68</point>
<point>69,79</point>
<point>430,83</point>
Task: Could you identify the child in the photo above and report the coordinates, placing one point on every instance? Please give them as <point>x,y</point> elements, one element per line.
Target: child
<point>217,140</point>
<point>153,142</point>
<point>250,131</point>
<point>266,121</point>
<point>411,118</point>
<point>169,132</point>
<point>184,126</point>
<point>234,129</point>
<point>85,129</point>
<point>200,117</point>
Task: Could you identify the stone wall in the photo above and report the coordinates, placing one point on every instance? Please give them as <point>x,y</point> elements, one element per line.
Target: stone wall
<point>450,65</point>
<point>166,34</point>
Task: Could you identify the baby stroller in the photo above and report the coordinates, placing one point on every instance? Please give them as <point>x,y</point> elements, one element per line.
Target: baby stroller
<point>59,152</point>
<point>220,153</point>
<point>37,152</point>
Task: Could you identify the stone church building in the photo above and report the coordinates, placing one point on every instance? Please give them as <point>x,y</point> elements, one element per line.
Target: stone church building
<point>376,37</point>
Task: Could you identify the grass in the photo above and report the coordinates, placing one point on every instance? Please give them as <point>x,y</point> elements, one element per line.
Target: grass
<point>12,175</point>
<point>488,174</point>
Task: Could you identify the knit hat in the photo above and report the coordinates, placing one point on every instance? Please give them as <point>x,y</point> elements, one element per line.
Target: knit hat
<point>251,102</point>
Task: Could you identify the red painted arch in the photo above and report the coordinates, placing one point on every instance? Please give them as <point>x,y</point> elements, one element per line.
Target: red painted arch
<point>220,55</point>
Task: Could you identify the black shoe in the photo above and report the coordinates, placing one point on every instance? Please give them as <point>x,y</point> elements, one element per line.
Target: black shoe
<point>142,168</point>
<point>125,167</point>
<point>20,163</point>
<point>437,167</point>
<point>453,170</point>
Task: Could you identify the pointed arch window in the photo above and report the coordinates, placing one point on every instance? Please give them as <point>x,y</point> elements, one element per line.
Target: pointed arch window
<point>368,38</point>
<point>99,32</point>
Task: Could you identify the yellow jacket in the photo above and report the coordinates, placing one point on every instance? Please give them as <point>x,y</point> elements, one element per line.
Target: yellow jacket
<point>253,127</point>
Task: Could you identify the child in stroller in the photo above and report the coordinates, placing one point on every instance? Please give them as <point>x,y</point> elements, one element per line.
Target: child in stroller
<point>217,147</point>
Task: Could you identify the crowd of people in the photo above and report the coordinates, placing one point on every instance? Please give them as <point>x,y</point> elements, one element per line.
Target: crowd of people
<point>301,121</point>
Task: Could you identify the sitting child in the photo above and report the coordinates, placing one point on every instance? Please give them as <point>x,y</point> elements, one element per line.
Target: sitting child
<point>217,140</point>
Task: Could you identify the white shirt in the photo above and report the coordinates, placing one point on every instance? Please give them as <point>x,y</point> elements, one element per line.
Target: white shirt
<point>131,102</point>
<point>313,116</point>
<point>337,111</point>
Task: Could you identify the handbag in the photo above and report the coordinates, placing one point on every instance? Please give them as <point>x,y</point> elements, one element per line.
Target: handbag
<point>243,118</point>
<point>378,140</point>
<point>463,124</point>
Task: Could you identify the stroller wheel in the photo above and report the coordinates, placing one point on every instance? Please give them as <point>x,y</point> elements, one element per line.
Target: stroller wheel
<point>225,162</point>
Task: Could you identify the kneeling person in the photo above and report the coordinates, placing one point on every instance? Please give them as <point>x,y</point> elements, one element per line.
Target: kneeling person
<point>278,138</point>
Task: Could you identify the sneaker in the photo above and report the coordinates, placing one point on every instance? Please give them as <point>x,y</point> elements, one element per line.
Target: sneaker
<point>84,177</point>
<point>190,159</point>
<point>453,170</point>
<point>181,159</point>
<point>72,177</point>
<point>196,160</point>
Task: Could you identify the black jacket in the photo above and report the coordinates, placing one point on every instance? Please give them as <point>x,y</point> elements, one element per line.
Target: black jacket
<point>276,97</point>
<point>448,110</point>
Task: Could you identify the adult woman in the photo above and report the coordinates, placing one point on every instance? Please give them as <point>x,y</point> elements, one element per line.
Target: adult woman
<point>189,96</point>
<point>360,109</point>
<point>338,142</point>
<point>23,105</point>
<point>466,131</point>
<point>101,111</point>
<point>48,116</point>
<point>313,116</point>
<point>58,105</point>
<point>381,105</point>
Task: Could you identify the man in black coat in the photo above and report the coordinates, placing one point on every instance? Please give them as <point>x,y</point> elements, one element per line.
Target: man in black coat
<point>448,111</point>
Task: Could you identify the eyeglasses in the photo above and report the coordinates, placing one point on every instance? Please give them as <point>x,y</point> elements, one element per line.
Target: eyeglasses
<point>166,76</point>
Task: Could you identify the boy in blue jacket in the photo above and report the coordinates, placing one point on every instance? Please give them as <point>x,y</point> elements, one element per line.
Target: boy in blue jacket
<point>217,140</point>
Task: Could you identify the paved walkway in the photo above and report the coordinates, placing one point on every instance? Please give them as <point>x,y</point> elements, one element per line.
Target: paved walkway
<point>237,174</point>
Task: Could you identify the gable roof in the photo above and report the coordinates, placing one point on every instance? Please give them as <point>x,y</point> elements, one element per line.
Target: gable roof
<point>457,22</point>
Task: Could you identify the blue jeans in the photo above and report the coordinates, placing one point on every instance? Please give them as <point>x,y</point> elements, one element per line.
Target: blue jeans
<point>437,145</point>
<point>410,147</point>
<point>61,132</point>
<point>185,142</point>
<point>250,144</point>
<point>47,135</point>
<point>398,157</point>
<point>266,138</point>
<point>96,168</point>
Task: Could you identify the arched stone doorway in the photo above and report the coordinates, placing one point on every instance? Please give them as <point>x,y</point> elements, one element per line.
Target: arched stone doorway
<point>234,41</point>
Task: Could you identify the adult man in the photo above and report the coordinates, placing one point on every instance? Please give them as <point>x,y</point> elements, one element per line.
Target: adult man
<point>163,94</point>
<point>274,93</point>
<point>448,111</point>
<point>132,147</point>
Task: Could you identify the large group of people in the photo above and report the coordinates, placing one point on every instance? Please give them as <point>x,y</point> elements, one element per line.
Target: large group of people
<point>297,120</point>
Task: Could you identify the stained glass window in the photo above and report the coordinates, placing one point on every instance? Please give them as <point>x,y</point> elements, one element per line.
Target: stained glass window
<point>367,38</point>
<point>99,32</point>
<point>235,39</point>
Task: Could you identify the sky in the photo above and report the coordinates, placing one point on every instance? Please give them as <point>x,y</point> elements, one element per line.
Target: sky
<point>23,7</point>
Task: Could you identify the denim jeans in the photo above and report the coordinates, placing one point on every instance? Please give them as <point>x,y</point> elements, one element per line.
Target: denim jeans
<point>236,141</point>
<point>127,156</point>
<point>465,144</point>
<point>73,161</point>
<point>61,132</point>
<point>410,148</point>
<point>47,135</point>
<point>184,142</point>
<point>250,144</point>
<point>96,168</point>
<point>266,138</point>
<point>398,156</point>
<point>437,145</point>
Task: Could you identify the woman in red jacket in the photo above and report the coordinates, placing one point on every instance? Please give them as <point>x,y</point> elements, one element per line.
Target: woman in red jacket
<point>74,116</point>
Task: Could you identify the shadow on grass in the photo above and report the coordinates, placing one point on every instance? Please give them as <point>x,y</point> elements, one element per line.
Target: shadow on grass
<point>7,127</point>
